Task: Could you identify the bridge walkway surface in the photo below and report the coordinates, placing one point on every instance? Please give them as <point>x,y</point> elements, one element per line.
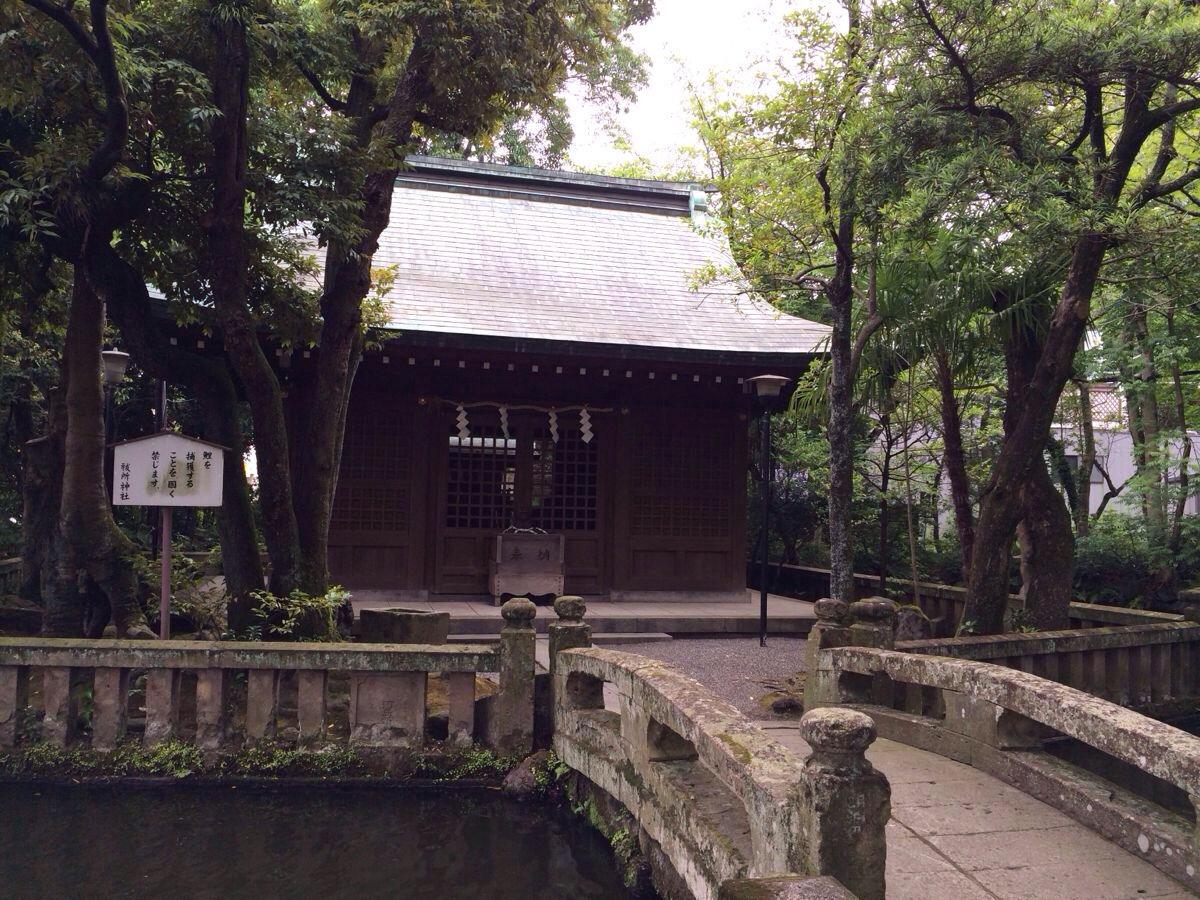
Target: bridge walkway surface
<point>959,834</point>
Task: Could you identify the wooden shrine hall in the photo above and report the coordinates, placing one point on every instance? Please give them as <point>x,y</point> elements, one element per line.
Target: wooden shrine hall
<point>551,367</point>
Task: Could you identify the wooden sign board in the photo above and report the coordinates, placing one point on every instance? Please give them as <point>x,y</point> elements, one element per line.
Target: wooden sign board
<point>167,469</point>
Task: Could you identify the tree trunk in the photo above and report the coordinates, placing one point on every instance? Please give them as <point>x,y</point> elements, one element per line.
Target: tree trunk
<point>1087,460</point>
<point>841,401</point>
<point>227,266</point>
<point>954,459</point>
<point>1001,504</point>
<point>89,543</point>
<point>884,503</point>
<point>41,498</point>
<point>240,560</point>
<point>1047,551</point>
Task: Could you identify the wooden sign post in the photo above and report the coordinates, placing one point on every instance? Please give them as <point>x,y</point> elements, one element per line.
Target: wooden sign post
<point>167,470</point>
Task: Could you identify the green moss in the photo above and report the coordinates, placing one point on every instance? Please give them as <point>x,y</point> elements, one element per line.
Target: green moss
<point>740,753</point>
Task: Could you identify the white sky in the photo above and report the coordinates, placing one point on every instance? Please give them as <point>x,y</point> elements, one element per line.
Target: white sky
<point>685,40</point>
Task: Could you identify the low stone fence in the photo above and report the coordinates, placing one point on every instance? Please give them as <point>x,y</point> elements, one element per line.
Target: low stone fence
<point>997,718</point>
<point>944,603</point>
<point>1150,667</point>
<point>388,683</point>
<point>723,801</point>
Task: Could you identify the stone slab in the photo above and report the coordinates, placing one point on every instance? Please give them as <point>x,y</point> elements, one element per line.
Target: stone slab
<point>403,625</point>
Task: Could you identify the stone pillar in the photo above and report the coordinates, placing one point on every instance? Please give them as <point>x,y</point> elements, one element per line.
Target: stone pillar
<point>387,709</point>
<point>460,693</point>
<point>510,725</point>
<point>874,620</point>
<point>212,697</point>
<point>262,704</point>
<point>832,629</point>
<point>845,802</point>
<point>570,632</point>
<point>110,705</point>
<point>14,697</point>
<point>310,705</point>
<point>162,706</point>
<point>58,725</point>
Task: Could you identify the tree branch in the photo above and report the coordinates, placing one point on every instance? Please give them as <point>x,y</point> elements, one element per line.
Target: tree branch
<point>62,15</point>
<point>311,77</point>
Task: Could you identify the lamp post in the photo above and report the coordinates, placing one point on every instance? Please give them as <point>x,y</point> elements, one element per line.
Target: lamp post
<point>769,390</point>
<point>112,372</point>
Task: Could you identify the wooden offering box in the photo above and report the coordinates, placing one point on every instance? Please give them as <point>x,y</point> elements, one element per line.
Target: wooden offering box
<point>527,565</point>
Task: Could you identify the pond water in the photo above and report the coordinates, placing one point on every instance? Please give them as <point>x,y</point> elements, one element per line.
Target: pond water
<point>224,842</point>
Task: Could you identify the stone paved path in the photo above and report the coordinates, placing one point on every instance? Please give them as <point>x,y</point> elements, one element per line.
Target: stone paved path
<point>958,834</point>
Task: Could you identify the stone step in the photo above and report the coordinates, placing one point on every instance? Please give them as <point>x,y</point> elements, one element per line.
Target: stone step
<point>652,624</point>
<point>605,638</point>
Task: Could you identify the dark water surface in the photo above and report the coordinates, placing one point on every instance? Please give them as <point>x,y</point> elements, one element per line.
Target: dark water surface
<point>219,842</point>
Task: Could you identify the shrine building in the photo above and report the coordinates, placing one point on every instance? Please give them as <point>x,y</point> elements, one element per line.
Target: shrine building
<point>555,362</point>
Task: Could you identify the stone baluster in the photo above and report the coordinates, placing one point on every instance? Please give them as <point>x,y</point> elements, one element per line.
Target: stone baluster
<point>570,632</point>
<point>460,691</point>
<point>110,706</point>
<point>311,687</point>
<point>845,802</point>
<point>212,697</point>
<point>58,724</point>
<point>510,725</point>
<point>14,697</point>
<point>262,704</point>
<point>162,706</point>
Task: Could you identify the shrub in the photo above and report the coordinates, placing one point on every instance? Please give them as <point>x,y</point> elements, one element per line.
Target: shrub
<point>1113,561</point>
<point>297,616</point>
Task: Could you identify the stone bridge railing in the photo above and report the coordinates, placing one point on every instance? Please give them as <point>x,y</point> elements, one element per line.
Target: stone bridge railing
<point>1149,667</point>
<point>997,718</point>
<point>944,603</point>
<point>722,799</point>
<point>387,688</point>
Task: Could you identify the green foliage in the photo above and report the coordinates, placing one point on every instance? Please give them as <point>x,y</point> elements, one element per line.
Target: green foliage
<point>1114,561</point>
<point>479,763</point>
<point>270,760</point>
<point>298,616</point>
<point>171,759</point>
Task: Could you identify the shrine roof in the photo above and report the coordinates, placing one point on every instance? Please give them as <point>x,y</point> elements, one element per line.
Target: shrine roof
<point>529,255</point>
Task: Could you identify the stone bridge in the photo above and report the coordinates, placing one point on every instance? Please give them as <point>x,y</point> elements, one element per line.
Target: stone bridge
<point>726,808</point>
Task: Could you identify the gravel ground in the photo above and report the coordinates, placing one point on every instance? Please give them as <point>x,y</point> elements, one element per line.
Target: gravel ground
<point>735,668</point>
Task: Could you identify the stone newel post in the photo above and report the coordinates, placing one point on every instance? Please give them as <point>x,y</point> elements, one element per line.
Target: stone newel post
<point>510,728</point>
<point>570,632</point>
<point>874,619</point>
<point>845,802</point>
<point>832,629</point>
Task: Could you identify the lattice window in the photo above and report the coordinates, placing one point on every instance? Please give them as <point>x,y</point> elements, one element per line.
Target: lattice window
<point>361,507</point>
<point>480,478</point>
<point>376,446</point>
<point>565,481</point>
<point>681,482</point>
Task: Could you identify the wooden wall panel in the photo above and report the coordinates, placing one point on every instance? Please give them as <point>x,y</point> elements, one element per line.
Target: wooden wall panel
<point>376,538</point>
<point>679,519</point>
